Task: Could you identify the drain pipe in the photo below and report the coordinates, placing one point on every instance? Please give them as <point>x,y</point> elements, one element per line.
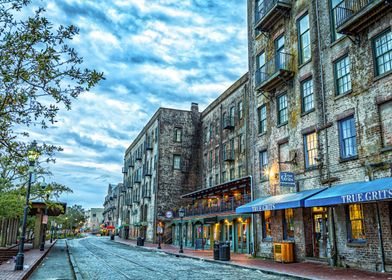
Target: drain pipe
<point>253,219</point>
<point>330,209</point>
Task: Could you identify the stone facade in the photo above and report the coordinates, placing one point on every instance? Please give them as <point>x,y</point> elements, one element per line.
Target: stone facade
<point>94,219</point>
<point>111,205</point>
<point>160,165</point>
<point>364,97</point>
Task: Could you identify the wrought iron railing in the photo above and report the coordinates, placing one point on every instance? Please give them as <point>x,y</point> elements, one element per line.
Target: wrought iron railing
<point>347,9</point>
<point>224,206</point>
<point>281,61</point>
<point>264,6</point>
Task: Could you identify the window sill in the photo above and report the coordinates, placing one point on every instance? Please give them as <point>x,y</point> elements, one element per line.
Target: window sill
<point>358,243</point>
<point>308,112</point>
<point>386,149</point>
<point>343,160</point>
<point>375,79</point>
<point>262,134</point>
<point>304,63</point>
<point>290,240</point>
<point>337,97</point>
<point>282,124</point>
<point>337,41</point>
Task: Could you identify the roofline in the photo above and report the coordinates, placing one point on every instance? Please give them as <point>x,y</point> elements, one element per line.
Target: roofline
<point>226,94</point>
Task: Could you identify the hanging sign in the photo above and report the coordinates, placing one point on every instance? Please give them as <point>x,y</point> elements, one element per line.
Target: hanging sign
<point>287,179</point>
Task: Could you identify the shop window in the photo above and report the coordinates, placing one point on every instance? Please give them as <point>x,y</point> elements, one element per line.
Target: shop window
<point>385,110</point>
<point>288,224</point>
<point>355,223</point>
<point>382,49</point>
<point>266,223</point>
<point>347,138</point>
<point>342,75</point>
<point>310,145</point>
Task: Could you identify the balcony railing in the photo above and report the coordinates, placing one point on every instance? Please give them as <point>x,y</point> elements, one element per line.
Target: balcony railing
<point>354,15</point>
<point>224,206</point>
<point>267,12</point>
<point>274,71</point>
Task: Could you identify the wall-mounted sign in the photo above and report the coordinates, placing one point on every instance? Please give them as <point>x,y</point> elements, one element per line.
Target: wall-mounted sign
<point>287,179</point>
<point>169,214</point>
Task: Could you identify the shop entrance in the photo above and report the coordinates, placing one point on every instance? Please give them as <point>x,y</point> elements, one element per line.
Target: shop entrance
<point>241,244</point>
<point>320,232</point>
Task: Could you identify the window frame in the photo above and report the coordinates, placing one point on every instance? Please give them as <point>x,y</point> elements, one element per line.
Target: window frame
<point>174,161</point>
<point>303,111</point>
<point>301,60</point>
<point>261,165</point>
<point>278,110</point>
<point>176,130</point>
<point>240,110</point>
<point>232,115</point>
<point>264,226</point>
<point>262,123</point>
<point>306,151</point>
<point>336,78</point>
<point>334,34</point>
<point>343,152</point>
<point>376,72</point>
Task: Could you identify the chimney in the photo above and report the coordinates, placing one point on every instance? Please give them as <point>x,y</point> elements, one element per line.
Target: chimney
<point>195,107</point>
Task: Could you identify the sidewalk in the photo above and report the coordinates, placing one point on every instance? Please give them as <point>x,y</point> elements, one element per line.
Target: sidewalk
<point>305,270</point>
<point>32,259</point>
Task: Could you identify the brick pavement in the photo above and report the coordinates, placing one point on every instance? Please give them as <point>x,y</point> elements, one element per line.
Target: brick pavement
<point>32,258</point>
<point>305,270</point>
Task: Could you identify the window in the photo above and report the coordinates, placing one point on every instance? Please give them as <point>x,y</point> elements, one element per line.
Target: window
<point>210,181</point>
<point>342,75</point>
<point>240,111</point>
<point>216,179</point>
<point>304,39</point>
<point>263,157</point>
<point>241,143</point>
<point>382,46</point>
<point>266,223</point>
<point>224,152</point>
<point>177,134</point>
<point>216,155</point>
<point>307,99</point>
<point>260,66</point>
<point>310,145</point>
<point>355,227</point>
<point>262,114</point>
<point>210,159</point>
<point>217,127</point>
<point>334,3</point>
<point>260,60</point>
<point>177,162</point>
<point>282,109</point>
<point>232,148</point>
<point>210,132</point>
<point>280,58</point>
<point>232,173</point>
<point>347,135</point>
<point>94,215</point>
<point>385,110</point>
<point>288,224</point>
<point>224,119</point>
<point>240,171</point>
<point>223,176</point>
<point>232,114</point>
<point>205,134</point>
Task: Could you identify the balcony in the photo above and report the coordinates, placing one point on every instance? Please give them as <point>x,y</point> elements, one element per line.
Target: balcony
<point>149,146</point>
<point>224,206</point>
<point>275,72</point>
<point>354,16</point>
<point>228,123</point>
<point>137,180</point>
<point>268,12</point>
<point>124,170</point>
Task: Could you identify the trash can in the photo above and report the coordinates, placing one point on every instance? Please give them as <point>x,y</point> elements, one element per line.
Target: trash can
<point>216,250</point>
<point>112,236</point>
<point>140,241</point>
<point>224,252</point>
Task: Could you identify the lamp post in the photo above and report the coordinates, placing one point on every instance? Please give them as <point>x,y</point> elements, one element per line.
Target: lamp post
<point>44,222</point>
<point>32,155</point>
<point>181,213</point>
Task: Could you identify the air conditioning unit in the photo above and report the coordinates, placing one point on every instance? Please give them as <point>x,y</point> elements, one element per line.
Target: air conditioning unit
<point>284,252</point>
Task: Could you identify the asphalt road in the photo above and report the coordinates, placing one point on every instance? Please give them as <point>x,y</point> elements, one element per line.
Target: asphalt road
<point>100,258</point>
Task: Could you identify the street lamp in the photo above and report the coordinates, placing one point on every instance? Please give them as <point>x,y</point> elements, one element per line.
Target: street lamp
<point>32,156</point>
<point>181,213</point>
<point>44,222</point>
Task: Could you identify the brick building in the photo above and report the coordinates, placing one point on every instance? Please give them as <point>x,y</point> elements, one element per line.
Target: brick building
<point>321,106</point>
<point>160,165</point>
<point>111,205</point>
<point>226,183</point>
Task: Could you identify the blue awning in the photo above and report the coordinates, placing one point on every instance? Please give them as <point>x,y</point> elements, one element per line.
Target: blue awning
<point>359,192</point>
<point>277,202</point>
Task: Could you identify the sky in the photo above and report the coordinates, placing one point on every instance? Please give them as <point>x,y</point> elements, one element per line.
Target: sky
<point>153,53</point>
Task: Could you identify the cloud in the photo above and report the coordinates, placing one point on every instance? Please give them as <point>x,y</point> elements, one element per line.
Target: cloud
<point>154,53</point>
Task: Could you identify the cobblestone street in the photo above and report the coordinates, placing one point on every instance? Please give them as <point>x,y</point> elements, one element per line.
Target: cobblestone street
<point>100,258</point>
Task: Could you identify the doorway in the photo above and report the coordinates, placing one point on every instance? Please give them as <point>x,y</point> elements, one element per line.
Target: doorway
<point>320,232</point>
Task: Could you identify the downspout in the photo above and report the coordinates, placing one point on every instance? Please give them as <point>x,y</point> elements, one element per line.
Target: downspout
<point>154,231</point>
<point>331,211</point>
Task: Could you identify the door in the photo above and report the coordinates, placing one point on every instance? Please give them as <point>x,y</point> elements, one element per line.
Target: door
<point>241,237</point>
<point>320,232</point>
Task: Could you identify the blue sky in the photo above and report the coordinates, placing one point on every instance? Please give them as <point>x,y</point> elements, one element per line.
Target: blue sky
<point>153,53</point>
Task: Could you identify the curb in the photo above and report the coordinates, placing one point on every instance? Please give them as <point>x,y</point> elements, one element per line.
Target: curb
<point>38,262</point>
<point>75,269</point>
<point>294,276</point>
